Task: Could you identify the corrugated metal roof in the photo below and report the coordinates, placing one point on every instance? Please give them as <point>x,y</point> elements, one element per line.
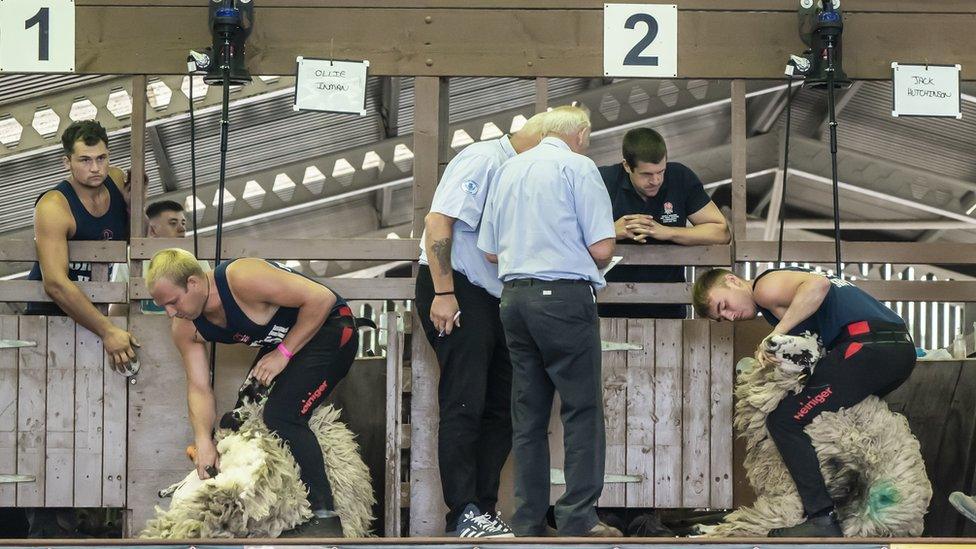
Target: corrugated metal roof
<point>263,133</point>
<point>15,87</point>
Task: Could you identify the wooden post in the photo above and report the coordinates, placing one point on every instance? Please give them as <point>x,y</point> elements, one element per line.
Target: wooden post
<point>541,94</point>
<point>137,192</point>
<point>394,422</point>
<point>431,145</point>
<point>739,159</point>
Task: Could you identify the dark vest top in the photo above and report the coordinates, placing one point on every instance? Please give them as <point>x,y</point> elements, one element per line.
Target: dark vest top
<point>845,303</point>
<point>240,328</point>
<point>112,225</point>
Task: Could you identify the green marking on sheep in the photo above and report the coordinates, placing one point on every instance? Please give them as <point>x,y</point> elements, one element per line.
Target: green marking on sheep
<point>881,496</point>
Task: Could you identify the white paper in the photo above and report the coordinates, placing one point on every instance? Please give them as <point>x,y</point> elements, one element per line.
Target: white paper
<point>613,262</point>
<point>926,90</point>
<point>640,40</point>
<point>37,36</point>
<point>331,86</point>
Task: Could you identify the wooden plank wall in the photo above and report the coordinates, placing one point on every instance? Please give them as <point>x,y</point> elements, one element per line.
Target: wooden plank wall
<point>62,417</point>
<point>668,414</point>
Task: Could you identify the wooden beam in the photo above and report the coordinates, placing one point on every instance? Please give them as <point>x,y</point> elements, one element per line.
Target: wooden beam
<point>137,190</point>
<point>514,38</point>
<point>108,251</point>
<point>541,94</point>
<point>739,128</point>
<point>137,150</point>
<point>920,290</point>
<point>674,255</point>
<point>430,144</point>
<point>771,228</point>
<point>850,6</point>
<point>18,291</point>
<point>379,249</point>
<point>349,288</point>
<point>656,292</point>
<point>911,253</point>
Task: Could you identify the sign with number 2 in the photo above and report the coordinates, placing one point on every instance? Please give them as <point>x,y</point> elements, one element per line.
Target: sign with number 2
<point>640,40</point>
<point>37,36</point>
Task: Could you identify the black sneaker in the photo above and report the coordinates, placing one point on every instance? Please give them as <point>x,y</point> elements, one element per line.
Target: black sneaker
<point>474,524</point>
<point>826,526</point>
<point>316,527</point>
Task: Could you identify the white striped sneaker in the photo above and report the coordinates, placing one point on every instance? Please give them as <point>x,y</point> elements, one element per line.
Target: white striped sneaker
<point>502,530</point>
<point>475,524</point>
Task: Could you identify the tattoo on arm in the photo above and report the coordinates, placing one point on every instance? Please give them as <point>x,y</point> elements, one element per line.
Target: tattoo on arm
<point>442,250</point>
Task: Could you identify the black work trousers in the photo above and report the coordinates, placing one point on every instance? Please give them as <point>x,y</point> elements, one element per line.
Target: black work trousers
<point>302,387</point>
<point>474,395</point>
<point>553,335</point>
<point>867,359</point>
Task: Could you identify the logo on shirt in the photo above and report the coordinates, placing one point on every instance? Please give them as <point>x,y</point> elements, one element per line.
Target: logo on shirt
<point>107,234</point>
<point>274,337</point>
<point>669,217</point>
<point>469,187</point>
<point>242,338</point>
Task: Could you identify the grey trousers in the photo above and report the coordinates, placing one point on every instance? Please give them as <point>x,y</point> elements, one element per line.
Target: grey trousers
<point>553,336</point>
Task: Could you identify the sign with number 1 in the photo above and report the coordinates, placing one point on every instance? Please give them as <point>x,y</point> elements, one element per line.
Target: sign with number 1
<point>640,40</point>
<point>37,36</point>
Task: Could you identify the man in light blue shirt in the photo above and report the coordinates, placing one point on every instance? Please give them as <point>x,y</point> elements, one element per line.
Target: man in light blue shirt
<point>548,222</point>
<point>475,370</point>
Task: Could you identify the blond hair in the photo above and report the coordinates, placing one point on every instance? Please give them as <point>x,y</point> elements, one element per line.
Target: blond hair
<point>173,264</point>
<point>701,292</point>
<point>566,120</point>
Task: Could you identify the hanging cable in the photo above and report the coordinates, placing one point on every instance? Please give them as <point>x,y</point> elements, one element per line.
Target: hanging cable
<point>193,171</point>
<point>832,124</point>
<point>786,167</point>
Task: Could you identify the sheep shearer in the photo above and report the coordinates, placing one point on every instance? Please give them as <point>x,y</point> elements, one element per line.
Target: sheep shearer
<point>307,338</point>
<point>869,352</point>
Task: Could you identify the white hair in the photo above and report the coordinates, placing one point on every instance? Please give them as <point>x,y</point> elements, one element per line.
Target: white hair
<point>566,120</point>
<point>533,125</point>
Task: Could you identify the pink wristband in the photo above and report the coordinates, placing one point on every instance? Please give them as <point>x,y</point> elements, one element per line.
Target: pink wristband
<point>284,350</point>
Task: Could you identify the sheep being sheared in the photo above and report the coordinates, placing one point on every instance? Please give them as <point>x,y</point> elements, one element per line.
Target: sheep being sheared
<point>869,457</point>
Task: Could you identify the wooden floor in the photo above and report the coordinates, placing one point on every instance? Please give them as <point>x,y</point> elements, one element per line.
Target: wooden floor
<point>444,543</point>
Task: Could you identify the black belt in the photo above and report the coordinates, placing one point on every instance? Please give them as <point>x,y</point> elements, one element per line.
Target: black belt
<point>868,332</point>
<point>537,282</point>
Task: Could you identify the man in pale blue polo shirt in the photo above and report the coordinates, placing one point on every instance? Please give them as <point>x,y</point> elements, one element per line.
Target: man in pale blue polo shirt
<point>548,223</point>
<point>457,300</point>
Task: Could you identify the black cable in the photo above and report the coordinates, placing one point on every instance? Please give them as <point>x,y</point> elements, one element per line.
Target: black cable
<point>224,128</point>
<point>193,171</point>
<point>832,123</point>
<point>786,167</point>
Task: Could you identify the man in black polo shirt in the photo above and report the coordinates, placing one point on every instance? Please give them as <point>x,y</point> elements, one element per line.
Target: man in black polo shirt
<point>653,201</point>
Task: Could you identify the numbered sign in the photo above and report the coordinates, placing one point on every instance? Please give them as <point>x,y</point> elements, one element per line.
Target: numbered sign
<point>640,40</point>
<point>926,90</point>
<point>37,36</point>
<point>331,86</point>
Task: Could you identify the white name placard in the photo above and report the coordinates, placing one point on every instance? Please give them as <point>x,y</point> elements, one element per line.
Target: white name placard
<point>37,36</point>
<point>926,90</point>
<point>640,40</point>
<point>332,86</point>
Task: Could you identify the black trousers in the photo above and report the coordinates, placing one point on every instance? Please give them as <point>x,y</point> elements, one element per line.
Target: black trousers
<point>867,359</point>
<point>301,387</point>
<point>474,394</point>
<point>553,335</point>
